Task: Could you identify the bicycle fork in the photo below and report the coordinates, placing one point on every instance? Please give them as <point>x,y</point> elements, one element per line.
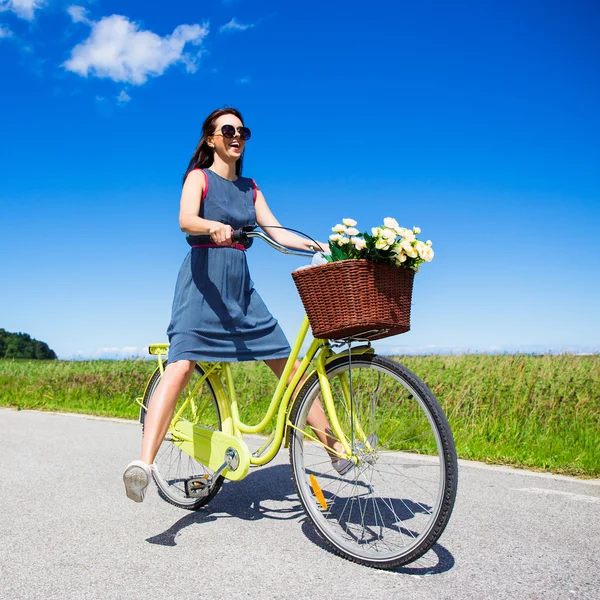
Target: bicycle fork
<point>348,402</point>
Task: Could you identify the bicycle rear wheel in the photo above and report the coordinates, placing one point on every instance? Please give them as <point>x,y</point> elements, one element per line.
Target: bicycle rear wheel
<point>175,467</point>
<point>392,506</point>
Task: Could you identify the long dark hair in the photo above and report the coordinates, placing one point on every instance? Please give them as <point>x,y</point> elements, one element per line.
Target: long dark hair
<point>203,156</point>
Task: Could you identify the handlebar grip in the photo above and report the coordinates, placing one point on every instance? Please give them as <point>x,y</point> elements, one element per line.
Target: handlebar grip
<point>239,235</point>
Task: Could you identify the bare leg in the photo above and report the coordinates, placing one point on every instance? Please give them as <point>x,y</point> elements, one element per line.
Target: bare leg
<point>162,406</point>
<point>317,419</point>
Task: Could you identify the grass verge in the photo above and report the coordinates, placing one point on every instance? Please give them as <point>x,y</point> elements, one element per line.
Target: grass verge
<point>538,412</point>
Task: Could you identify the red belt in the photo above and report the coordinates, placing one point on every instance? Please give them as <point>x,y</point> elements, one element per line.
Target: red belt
<point>236,246</point>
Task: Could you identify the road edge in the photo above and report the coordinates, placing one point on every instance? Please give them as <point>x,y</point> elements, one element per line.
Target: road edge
<point>461,461</point>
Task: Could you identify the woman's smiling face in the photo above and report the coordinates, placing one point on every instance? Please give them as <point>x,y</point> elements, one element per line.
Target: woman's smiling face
<point>228,149</point>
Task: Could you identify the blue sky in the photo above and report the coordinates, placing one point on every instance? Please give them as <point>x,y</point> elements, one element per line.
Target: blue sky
<point>478,122</point>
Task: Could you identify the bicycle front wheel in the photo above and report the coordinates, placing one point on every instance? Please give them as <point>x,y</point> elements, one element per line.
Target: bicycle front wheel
<point>175,467</point>
<point>393,504</point>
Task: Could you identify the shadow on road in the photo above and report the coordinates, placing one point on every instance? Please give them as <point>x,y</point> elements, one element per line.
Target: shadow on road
<point>269,493</point>
<point>255,497</point>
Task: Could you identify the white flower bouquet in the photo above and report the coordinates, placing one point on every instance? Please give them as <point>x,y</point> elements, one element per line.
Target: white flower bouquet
<point>388,243</point>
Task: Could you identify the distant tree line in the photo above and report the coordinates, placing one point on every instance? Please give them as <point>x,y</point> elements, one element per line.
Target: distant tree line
<point>21,345</point>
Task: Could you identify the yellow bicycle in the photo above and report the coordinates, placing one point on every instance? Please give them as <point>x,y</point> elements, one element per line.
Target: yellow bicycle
<point>388,509</point>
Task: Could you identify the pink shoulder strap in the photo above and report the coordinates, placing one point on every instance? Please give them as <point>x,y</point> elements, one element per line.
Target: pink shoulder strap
<point>254,184</point>
<point>205,183</point>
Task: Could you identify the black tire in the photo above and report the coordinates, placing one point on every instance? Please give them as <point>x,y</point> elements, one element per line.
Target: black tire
<point>402,489</point>
<point>174,466</point>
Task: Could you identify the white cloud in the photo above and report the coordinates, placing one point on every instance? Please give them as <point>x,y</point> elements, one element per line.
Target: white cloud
<point>79,14</point>
<point>233,25</point>
<point>22,8</point>
<point>118,353</point>
<point>388,349</point>
<point>123,97</point>
<point>117,49</point>
<point>5,32</point>
<point>243,80</point>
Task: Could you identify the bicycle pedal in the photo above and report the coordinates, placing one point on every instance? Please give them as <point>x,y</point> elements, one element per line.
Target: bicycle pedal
<point>197,487</point>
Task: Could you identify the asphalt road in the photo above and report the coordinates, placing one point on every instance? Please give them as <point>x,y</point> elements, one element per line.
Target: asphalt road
<point>68,531</point>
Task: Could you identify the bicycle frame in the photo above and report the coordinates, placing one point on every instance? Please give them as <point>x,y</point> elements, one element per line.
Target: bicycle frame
<point>281,404</point>
<point>383,505</point>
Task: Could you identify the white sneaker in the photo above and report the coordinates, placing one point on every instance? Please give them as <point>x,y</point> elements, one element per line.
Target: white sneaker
<point>341,465</point>
<point>136,477</point>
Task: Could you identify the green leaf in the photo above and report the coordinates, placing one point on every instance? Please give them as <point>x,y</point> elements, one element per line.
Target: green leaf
<point>336,252</point>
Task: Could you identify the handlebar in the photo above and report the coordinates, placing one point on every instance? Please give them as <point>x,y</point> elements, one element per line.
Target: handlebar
<point>242,235</point>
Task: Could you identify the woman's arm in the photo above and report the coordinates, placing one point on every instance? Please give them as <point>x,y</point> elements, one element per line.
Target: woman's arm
<point>264,217</point>
<point>189,208</point>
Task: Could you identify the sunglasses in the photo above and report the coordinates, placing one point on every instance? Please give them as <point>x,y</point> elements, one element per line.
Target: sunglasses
<point>228,131</point>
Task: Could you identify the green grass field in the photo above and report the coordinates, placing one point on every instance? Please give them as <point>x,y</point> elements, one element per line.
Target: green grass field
<point>538,412</point>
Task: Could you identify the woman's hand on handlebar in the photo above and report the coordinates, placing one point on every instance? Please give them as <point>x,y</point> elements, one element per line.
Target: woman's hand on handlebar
<point>324,246</point>
<point>221,234</point>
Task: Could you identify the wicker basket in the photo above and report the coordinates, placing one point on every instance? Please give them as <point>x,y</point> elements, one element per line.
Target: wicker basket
<point>349,297</point>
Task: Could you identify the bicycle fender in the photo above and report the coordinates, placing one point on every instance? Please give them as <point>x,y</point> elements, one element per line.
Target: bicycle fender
<point>358,351</point>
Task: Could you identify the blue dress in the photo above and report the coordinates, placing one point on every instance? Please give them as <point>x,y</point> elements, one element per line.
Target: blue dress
<point>217,315</point>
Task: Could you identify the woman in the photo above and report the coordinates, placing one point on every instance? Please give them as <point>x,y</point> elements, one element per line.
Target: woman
<point>217,315</point>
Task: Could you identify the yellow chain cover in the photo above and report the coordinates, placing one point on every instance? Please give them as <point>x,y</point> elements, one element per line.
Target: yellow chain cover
<point>208,447</point>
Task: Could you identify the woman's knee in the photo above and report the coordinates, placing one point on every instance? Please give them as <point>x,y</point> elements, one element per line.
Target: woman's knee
<point>180,369</point>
